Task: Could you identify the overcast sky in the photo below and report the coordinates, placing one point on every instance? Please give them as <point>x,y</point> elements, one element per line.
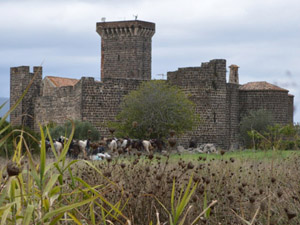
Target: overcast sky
<point>262,37</point>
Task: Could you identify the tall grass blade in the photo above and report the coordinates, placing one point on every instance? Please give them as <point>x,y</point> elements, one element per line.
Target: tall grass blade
<point>98,195</point>
<point>28,215</point>
<point>50,184</point>
<point>4,139</point>
<point>42,156</point>
<point>74,219</point>
<point>66,147</point>
<point>173,197</point>
<point>255,215</point>
<point>92,213</point>
<point>56,219</point>
<point>66,208</point>
<point>207,213</point>
<point>245,221</point>
<point>203,212</point>
<point>185,200</point>
<point>4,129</point>
<point>185,215</point>
<point>51,143</point>
<point>5,214</point>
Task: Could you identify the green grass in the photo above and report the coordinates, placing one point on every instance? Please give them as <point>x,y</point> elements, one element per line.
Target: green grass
<point>242,155</point>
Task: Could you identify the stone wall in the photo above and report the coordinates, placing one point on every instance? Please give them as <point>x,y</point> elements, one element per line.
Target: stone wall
<point>276,102</point>
<point>232,103</point>
<point>48,87</point>
<point>20,77</point>
<point>101,101</point>
<point>64,103</point>
<point>206,86</point>
<point>291,109</point>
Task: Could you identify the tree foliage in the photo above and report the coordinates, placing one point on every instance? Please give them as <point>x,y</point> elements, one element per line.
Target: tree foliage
<point>153,110</point>
<point>257,121</point>
<point>83,130</point>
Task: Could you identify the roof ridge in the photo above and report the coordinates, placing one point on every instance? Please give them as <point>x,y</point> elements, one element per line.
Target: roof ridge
<point>261,85</point>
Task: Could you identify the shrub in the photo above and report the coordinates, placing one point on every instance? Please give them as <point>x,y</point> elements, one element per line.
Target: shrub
<point>153,110</point>
<point>257,121</point>
<point>83,131</point>
<point>277,137</point>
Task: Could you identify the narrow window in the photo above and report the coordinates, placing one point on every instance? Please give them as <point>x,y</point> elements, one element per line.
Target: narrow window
<point>118,57</point>
<point>214,84</point>
<point>215,117</point>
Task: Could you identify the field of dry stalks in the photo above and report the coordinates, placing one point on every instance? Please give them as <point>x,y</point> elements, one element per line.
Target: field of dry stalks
<point>260,191</point>
<point>262,188</point>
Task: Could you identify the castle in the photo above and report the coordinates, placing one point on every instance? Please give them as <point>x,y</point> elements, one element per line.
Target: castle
<point>125,63</point>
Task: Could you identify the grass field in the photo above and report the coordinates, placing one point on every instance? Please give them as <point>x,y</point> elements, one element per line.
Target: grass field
<point>242,155</point>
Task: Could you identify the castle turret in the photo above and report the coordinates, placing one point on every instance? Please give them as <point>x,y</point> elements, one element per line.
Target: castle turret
<point>126,49</point>
<point>20,77</point>
<point>234,74</point>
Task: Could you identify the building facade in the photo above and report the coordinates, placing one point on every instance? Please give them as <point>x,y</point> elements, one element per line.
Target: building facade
<point>125,63</point>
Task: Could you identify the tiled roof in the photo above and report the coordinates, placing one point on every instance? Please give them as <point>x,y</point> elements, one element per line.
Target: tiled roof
<point>261,85</point>
<point>60,81</point>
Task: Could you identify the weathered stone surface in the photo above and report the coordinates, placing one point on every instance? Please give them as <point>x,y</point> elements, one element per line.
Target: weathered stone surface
<point>181,149</point>
<point>207,148</point>
<point>126,49</point>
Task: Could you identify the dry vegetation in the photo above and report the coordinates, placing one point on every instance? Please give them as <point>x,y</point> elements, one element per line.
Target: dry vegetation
<point>153,189</point>
<point>266,191</point>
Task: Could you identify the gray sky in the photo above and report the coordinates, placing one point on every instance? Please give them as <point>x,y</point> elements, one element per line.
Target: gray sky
<point>262,37</point>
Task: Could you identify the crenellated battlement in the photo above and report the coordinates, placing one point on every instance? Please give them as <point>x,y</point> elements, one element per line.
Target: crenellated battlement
<point>20,70</point>
<point>125,28</point>
<point>25,70</point>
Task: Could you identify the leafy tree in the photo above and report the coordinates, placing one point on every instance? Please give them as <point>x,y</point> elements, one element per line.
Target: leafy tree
<point>153,110</point>
<point>83,130</point>
<point>253,124</point>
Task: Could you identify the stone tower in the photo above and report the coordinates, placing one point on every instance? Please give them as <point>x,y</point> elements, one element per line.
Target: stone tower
<point>20,77</point>
<point>233,74</point>
<point>126,49</point>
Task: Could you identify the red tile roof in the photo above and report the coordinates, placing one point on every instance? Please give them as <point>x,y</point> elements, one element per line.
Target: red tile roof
<point>261,85</point>
<point>60,81</point>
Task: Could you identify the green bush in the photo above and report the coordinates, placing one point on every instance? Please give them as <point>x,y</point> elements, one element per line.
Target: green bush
<point>280,137</point>
<point>83,131</point>
<point>153,110</point>
<point>257,121</point>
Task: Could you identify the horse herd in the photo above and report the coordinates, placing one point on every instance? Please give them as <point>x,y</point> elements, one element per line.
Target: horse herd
<point>105,147</point>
